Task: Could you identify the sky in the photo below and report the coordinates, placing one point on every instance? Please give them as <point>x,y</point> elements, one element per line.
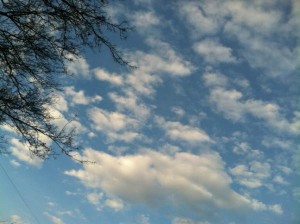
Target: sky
<point>204,131</point>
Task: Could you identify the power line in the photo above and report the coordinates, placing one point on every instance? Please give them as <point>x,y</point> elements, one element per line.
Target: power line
<point>20,195</point>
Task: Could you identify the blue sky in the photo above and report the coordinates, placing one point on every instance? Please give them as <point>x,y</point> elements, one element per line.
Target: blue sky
<point>204,131</point>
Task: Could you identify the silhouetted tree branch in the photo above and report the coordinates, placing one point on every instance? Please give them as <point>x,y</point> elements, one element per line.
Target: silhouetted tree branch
<point>37,38</point>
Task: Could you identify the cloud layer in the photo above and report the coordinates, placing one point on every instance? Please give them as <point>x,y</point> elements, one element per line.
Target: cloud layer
<point>198,182</point>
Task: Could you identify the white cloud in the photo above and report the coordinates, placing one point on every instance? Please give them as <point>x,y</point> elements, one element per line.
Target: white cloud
<point>272,142</point>
<point>286,170</point>
<point>8,128</point>
<point>141,80</point>
<point>202,23</point>
<point>179,220</point>
<point>130,102</point>
<point>143,219</point>
<point>234,107</point>
<point>145,19</point>
<point>60,103</point>
<point>115,204</point>
<point>116,126</point>
<point>253,17</point>
<point>95,199</point>
<point>252,176</point>
<point>112,78</point>
<point>115,121</point>
<point>167,60</point>
<point>178,111</point>
<point>78,66</point>
<point>214,52</point>
<point>67,212</point>
<point>259,206</point>
<point>241,148</point>
<point>79,97</point>
<point>127,136</point>
<point>15,163</point>
<point>261,34</point>
<point>296,193</point>
<point>51,204</point>
<point>227,101</point>
<point>60,121</point>
<point>22,153</point>
<point>15,219</point>
<point>280,180</point>
<point>143,2</point>
<point>154,179</point>
<point>55,220</point>
<point>259,28</point>
<point>178,131</point>
<point>214,79</point>
<point>71,193</point>
<point>276,209</point>
<point>162,60</point>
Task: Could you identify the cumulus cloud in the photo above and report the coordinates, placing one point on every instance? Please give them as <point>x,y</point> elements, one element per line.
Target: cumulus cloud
<point>252,176</point>
<point>228,102</point>
<point>115,125</point>
<point>235,107</point>
<point>60,103</point>
<point>161,60</point>
<point>178,111</point>
<point>296,193</point>
<point>112,78</point>
<point>78,66</point>
<point>15,163</point>
<point>151,178</point>
<point>79,97</point>
<point>214,52</point>
<point>142,81</point>
<point>214,79</point>
<point>131,103</point>
<point>145,19</point>
<point>202,23</point>
<point>55,220</point>
<point>260,29</point>
<point>177,131</point>
<point>22,153</point>
<point>104,120</point>
<point>95,199</point>
<point>262,36</point>
<point>280,180</point>
<point>259,206</point>
<point>241,148</point>
<point>143,219</point>
<point>115,204</point>
<point>179,220</point>
<point>16,219</point>
<point>167,59</point>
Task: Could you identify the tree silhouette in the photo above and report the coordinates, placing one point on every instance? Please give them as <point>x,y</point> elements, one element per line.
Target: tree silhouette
<point>37,39</point>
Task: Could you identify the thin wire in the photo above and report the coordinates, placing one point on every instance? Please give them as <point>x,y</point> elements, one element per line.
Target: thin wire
<point>20,195</point>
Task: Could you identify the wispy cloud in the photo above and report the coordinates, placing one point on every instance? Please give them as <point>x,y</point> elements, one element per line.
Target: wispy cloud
<point>235,106</point>
<point>116,126</point>
<point>22,153</point>
<point>178,131</point>
<point>214,52</point>
<point>252,176</point>
<point>55,220</point>
<point>79,97</point>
